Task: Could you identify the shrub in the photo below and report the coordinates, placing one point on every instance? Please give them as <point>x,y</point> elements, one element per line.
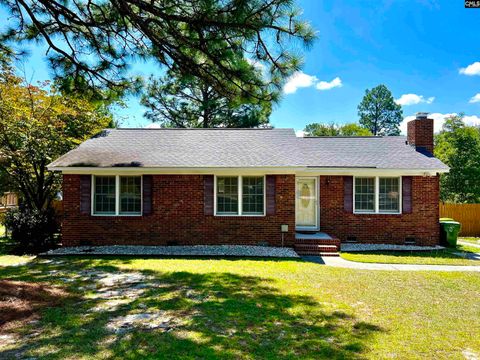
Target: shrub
<point>2,218</point>
<point>32,231</point>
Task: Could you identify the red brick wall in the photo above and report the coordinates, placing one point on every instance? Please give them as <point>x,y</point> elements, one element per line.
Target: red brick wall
<point>420,133</point>
<point>422,223</point>
<point>178,216</point>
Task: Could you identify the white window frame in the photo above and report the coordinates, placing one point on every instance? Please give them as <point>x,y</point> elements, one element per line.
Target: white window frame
<point>117,196</point>
<point>240,196</point>
<point>377,196</point>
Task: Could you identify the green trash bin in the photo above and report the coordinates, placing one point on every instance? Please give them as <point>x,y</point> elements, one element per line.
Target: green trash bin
<point>449,230</point>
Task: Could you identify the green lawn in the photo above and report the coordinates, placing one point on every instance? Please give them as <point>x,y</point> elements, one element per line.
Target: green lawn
<point>473,240</point>
<point>5,248</point>
<point>467,248</point>
<point>252,309</point>
<point>9,260</point>
<point>436,257</point>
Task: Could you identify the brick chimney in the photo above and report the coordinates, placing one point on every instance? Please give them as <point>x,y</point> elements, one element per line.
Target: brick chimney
<point>420,133</point>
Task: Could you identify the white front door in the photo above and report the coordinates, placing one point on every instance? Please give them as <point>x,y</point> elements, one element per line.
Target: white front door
<point>306,203</point>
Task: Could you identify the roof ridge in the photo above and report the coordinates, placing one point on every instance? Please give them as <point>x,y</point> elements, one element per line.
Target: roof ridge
<point>353,137</point>
<point>269,128</point>
<point>343,137</point>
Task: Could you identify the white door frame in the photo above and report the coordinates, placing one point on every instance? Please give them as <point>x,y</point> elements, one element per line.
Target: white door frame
<point>316,227</point>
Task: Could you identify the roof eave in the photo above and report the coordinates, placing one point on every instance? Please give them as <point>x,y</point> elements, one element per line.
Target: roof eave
<point>252,169</point>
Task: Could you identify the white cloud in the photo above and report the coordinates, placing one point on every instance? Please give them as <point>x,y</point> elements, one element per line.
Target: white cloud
<point>298,80</point>
<point>300,133</point>
<point>470,70</point>
<point>472,120</point>
<point>325,85</point>
<point>475,99</point>
<point>439,120</point>
<point>153,126</point>
<point>301,80</point>
<point>412,99</point>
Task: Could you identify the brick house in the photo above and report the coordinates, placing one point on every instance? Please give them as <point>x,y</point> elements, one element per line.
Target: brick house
<point>242,186</point>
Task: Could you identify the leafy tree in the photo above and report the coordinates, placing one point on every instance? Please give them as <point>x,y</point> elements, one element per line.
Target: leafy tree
<point>178,101</point>
<point>379,113</point>
<point>458,146</point>
<point>37,125</point>
<point>333,129</point>
<point>4,182</point>
<point>218,41</point>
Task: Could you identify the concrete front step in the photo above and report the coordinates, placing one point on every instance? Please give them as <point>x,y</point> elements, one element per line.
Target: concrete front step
<point>318,250</point>
<point>329,254</point>
<point>315,253</point>
<point>316,243</point>
<point>335,242</point>
<point>316,238</point>
<point>313,247</point>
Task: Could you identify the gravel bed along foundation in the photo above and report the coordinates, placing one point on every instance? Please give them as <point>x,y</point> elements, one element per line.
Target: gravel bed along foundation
<point>196,250</point>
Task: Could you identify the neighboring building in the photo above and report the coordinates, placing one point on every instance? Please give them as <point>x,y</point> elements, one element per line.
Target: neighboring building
<point>8,200</point>
<point>238,186</point>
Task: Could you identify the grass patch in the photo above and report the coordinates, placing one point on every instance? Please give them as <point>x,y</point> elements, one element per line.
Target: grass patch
<point>436,257</point>
<point>6,259</point>
<point>14,260</point>
<point>250,309</point>
<point>467,248</point>
<point>473,240</point>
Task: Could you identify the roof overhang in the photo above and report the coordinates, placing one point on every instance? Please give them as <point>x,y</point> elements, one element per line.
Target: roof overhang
<point>301,171</point>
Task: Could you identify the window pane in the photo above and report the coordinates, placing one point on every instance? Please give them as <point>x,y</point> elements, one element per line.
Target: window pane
<point>104,197</point>
<point>252,195</point>
<point>389,196</point>
<point>365,194</point>
<point>130,195</point>
<point>227,195</point>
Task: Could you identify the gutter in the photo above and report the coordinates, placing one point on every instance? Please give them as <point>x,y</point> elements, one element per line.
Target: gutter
<point>296,170</point>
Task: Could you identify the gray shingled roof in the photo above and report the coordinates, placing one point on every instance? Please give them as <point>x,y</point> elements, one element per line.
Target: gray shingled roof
<point>389,152</point>
<point>192,148</point>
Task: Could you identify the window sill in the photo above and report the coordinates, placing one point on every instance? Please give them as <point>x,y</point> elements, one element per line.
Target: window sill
<point>239,216</point>
<point>117,216</point>
<point>376,213</point>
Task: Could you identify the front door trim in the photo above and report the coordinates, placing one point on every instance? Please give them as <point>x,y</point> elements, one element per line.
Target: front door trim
<point>315,227</point>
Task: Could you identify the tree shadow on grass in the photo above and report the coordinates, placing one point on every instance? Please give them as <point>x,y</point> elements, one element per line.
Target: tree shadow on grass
<point>209,315</point>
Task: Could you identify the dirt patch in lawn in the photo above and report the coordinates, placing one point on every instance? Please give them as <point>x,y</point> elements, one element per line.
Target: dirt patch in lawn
<point>21,301</point>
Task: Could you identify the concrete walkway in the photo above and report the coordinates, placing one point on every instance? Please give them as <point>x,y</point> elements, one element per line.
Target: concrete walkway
<point>342,263</point>
<point>468,255</point>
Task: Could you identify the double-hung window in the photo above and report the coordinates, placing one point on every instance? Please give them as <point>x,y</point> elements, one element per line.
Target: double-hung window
<point>379,195</point>
<point>227,195</point>
<point>389,195</point>
<point>365,194</point>
<point>240,195</point>
<point>117,195</point>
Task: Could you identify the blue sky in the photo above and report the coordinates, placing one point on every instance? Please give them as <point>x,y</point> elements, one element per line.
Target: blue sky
<point>425,50</point>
